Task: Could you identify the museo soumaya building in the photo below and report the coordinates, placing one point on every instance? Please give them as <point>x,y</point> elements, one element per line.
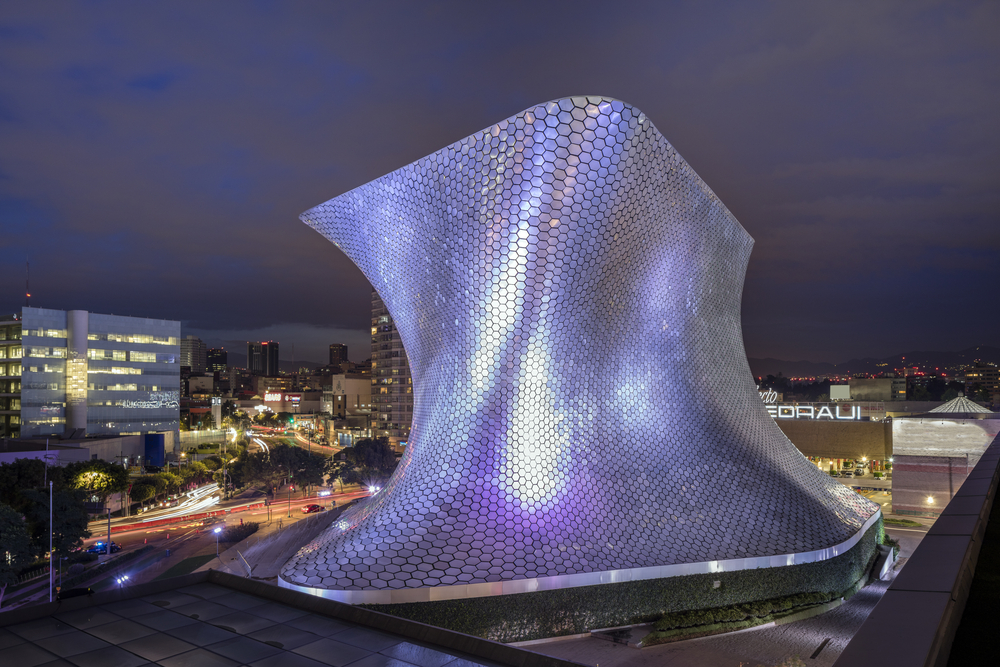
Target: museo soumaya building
<point>568,292</point>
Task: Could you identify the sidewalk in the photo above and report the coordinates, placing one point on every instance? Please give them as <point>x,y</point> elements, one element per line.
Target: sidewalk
<point>273,544</point>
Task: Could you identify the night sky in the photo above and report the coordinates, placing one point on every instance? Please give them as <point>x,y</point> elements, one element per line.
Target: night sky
<point>154,157</point>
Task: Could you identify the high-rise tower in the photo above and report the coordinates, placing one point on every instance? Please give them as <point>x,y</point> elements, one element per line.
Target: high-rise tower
<point>262,358</point>
<point>392,385</point>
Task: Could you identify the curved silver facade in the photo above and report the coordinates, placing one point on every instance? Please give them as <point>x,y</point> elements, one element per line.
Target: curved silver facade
<point>568,292</point>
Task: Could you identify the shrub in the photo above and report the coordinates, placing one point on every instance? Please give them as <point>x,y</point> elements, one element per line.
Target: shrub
<point>889,542</point>
<point>752,611</point>
<point>524,616</point>
<point>237,533</point>
<point>75,568</point>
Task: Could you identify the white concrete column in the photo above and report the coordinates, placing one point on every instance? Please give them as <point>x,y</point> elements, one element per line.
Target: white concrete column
<point>77,328</point>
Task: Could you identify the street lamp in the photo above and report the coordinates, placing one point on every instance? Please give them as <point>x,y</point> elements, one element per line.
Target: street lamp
<point>290,489</point>
<point>217,531</point>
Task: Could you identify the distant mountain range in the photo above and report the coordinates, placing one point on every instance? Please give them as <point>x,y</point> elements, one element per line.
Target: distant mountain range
<point>770,366</point>
<point>240,361</point>
<point>925,360</point>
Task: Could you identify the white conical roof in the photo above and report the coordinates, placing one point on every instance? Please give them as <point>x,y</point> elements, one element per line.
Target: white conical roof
<point>961,404</point>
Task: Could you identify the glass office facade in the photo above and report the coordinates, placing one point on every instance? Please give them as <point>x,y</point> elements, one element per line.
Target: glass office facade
<point>76,371</point>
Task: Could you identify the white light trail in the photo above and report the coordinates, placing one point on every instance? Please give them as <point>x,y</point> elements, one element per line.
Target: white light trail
<point>197,501</point>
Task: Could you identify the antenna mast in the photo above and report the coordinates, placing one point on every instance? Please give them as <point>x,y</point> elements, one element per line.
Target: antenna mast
<point>27,289</point>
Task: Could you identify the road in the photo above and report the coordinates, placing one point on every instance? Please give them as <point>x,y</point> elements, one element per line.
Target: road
<point>263,439</point>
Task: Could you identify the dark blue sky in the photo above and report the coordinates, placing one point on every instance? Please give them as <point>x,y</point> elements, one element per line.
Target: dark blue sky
<point>154,157</point>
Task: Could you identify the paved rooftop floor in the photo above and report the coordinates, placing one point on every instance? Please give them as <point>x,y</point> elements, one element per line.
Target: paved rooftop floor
<point>208,625</point>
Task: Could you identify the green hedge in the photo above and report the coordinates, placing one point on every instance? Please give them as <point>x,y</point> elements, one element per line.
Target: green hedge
<point>525,616</point>
<point>741,612</point>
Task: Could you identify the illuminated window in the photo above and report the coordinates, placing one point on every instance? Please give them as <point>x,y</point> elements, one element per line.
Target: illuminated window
<point>117,370</point>
<point>145,339</point>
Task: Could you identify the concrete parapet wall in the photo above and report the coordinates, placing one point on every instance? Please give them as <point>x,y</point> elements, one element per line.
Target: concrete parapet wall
<point>916,620</point>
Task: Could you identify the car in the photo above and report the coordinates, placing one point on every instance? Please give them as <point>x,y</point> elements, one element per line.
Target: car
<point>101,548</point>
<point>848,474</point>
<point>309,509</point>
<point>859,472</point>
<point>834,474</point>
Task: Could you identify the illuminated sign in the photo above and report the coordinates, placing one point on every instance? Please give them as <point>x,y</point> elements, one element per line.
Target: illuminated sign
<point>294,398</point>
<point>768,395</point>
<point>157,399</point>
<point>843,412</point>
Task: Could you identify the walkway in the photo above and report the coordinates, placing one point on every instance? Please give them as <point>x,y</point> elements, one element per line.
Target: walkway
<point>766,646</point>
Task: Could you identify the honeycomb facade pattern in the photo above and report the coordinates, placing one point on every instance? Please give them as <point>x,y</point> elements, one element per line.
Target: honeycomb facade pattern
<point>568,292</point>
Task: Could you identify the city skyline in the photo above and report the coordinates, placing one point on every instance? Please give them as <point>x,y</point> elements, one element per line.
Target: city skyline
<point>154,168</point>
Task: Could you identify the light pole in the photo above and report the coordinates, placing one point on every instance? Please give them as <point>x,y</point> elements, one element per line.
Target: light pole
<point>217,531</point>
<point>51,571</point>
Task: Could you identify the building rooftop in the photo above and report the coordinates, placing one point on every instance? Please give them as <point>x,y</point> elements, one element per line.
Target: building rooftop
<point>960,405</point>
<point>215,619</point>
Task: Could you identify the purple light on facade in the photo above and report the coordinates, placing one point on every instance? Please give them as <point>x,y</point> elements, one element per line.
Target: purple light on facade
<point>568,293</point>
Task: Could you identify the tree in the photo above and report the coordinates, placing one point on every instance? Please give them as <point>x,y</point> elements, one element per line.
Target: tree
<point>340,469</point>
<point>165,482</point>
<point>193,473</point>
<point>98,478</point>
<point>16,548</point>
<point>69,521</point>
<point>28,474</point>
<point>143,491</point>
<point>949,395</point>
<point>369,461</point>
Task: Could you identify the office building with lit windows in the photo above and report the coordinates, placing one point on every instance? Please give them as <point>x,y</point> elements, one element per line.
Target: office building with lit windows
<point>392,386</point>
<point>216,360</point>
<point>194,354</point>
<point>262,358</point>
<point>75,373</point>
<point>338,354</point>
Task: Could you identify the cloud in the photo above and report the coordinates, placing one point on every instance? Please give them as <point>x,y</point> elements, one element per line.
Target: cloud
<point>156,157</point>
